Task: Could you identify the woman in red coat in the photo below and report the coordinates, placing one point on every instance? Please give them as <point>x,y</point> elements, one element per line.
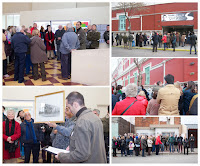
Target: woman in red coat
<point>11,135</point>
<point>157,143</point>
<point>142,97</point>
<point>130,105</point>
<point>49,38</point>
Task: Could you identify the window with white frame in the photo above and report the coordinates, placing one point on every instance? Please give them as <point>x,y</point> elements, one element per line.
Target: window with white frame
<point>122,23</point>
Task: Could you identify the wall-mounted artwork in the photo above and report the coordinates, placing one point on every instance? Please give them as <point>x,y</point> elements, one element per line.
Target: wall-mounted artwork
<point>50,107</point>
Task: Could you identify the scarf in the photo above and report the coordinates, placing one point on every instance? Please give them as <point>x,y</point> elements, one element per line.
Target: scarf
<point>9,132</point>
<point>30,132</point>
<point>50,37</point>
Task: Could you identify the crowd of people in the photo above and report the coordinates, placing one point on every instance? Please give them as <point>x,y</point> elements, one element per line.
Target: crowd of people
<point>81,130</point>
<point>144,144</point>
<point>29,47</point>
<point>161,99</point>
<point>167,40</point>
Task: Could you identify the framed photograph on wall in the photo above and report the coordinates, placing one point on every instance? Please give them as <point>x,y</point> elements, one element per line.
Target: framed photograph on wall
<point>50,107</point>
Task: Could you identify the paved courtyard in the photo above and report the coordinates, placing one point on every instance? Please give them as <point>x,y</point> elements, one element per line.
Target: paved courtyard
<point>121,52</point>
<point>161,158</point>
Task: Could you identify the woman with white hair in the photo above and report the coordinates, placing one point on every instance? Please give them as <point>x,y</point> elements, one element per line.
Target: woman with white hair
<point>130,105</point>
<point>11,135</point>
<point>142,97</point>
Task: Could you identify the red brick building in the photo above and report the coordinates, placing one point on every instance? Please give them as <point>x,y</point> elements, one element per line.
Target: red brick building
<point>154,69</point>
<point>182,17</point>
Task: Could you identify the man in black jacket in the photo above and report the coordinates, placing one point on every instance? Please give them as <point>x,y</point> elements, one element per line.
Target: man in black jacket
<point>192,141</point>
<point>155,41</point>
<point>193,39</point>
<point>106,35</point>
<point>19,44</point>
<point>58,36</point>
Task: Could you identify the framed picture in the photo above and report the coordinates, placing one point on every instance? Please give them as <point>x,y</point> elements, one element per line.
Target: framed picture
<point>50,107</point>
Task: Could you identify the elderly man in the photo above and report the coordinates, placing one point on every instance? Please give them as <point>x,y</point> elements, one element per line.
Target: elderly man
<point>70,42</point>
<point>96,112</point>
<point>168,97</point>
<point>94,36</point>
<point>81,36</point>
<point>130,105</point>
<point>20,43</point>
<point>86,141</point>
<point>31,136</point>
<point>58,36</point>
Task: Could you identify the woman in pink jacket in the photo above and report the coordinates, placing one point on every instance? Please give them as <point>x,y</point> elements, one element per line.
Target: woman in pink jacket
<point>164,39</point>
<point>142,97</point>
<point>157,143</point>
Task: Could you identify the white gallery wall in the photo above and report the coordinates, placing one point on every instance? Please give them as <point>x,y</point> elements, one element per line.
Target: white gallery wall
<point>94,97</point>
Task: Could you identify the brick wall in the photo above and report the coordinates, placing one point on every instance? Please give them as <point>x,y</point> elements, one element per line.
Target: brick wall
<point>124,126</point>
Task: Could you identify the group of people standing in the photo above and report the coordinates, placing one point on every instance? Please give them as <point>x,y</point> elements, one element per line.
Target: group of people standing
<point>129,145</point>
<point>161,99</point>
<point>30,47</point>
<point>79,133</point>
<point>173,40</point>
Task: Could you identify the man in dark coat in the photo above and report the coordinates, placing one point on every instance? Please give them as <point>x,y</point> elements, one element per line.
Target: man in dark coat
<point>117,39</point>
<point>120,39</point>
<point>20,44</point>
<point>58,36</point>
<point>193,39</point>
<point>94,37</point>
<point>192,141</point>
<point>81,36</point>
<point>106,35</point>
<point>137,39</point>
<point>155,41</point>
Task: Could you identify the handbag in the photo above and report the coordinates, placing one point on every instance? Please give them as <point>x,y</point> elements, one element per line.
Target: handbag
<point>128,107</point>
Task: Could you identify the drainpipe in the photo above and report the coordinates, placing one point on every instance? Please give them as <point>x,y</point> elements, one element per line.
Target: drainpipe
<point>164,71</point>
<point>141,23</point>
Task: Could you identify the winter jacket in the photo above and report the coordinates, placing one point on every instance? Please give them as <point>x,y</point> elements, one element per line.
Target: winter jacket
<point>14,137</point>
<point>69,41</point>
<point>38,50</point>
<point>137,108</point>
<point>114,143</point>
<point>168,98</point>
<point>143,100</point>
<point>164,39</point>
<point>158,141</point>
<point>193,109</point>
<point>187,97</point>
<point>149,143</point>
<point>20,42</point>
<point>193,39</point>
<point>59,33</point>
<point>82,38</point>
<point>143,143</point>
<point>94,37</point>
<point>50,37</point>
<point>3,46</point>
<point>171,139</point>
<point>180,139</point>
<point>153,107</point>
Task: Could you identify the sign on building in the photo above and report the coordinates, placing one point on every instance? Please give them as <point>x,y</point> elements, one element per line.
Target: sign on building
<point>177,17</point>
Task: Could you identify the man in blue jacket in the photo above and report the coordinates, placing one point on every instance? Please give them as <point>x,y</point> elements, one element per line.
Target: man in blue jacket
<point>70,42</point>
<point>20,43</point>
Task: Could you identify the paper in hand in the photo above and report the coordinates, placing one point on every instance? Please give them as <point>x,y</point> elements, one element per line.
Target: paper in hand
<point>56,150</point>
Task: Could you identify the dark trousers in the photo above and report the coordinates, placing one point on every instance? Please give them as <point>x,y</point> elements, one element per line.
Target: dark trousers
<point>143,152</point>
<point>192,146</point>
<point>48,159</point>
<point>28,64</point>
<point>155,47</point>
<point>42,70</point>
<point>185,148</point>
<point>35,149</point>
<point>123,151</point>
<point>136,151</point>
<point>58,52</point>
<point>157,149</point>
<point>66,65</point>
<point>5,67</point>
<point>173,46</point>
<point>149,150</point>
<point>153,148</point>
<point>194,48</point>
<point>114,152</point>
<point>165,46</point>
<point>19,66</point>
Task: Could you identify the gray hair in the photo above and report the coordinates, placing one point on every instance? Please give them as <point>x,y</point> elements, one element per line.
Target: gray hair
<point>131,90</point>
<point>10,111</point>
<point>97,111</point>
<point>69,25</point>
<point>18,28</point>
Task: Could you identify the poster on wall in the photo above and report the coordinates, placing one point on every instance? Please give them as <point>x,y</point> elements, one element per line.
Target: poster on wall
<point>177,17</point>
<point>55,25</point>
<point>50,107</point>
<point>84,24</point>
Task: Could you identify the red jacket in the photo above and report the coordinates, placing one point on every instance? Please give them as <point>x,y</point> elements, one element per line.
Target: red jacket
<point>47,41</point>
<point>136,109</point>
<point>15,136</point>
<point>143,100</point>
<point>164,39</point>
<point>158,141</point>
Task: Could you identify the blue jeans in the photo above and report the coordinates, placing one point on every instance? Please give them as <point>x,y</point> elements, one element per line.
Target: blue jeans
<point>133,43</point>
<point>66,65</point>
<point>194,48</point>
<point>21,150</point>
<point>162,147</point>
<point>143,152</point>
<point>28,64</point>
<point>165,45</point>
<point>171,147</point>
<point>123,151</point>
<point>153,148</point>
